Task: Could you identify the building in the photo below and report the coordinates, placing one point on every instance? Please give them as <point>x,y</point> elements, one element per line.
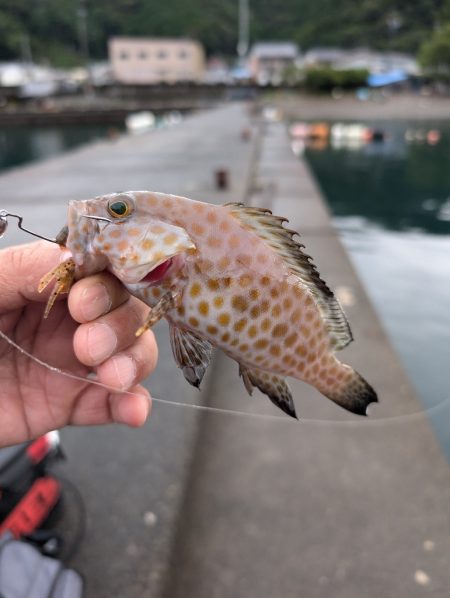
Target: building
<point>268,61</point>
<point>137,60</point>
<point>360,58</point>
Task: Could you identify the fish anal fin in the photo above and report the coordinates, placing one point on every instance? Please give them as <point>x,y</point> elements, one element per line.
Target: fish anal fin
<point>192,354</point>
<point>270,229</point>
<point>275,387</point>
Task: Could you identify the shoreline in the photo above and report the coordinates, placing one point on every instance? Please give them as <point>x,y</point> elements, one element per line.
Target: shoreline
<point>400,106</point>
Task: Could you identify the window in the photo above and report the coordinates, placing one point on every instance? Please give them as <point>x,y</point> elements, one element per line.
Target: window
<point>162,54</point>
<point>123,55</point>
<point>183,54</point>
<point>142,55</point>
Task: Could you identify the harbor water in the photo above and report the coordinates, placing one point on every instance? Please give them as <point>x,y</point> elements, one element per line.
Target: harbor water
<point>390,202</point>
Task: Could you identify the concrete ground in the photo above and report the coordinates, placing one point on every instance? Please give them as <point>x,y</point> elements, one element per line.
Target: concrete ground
<point>222,506</point>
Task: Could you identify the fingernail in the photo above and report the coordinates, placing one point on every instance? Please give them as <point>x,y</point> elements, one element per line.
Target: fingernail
<point>101,342</point>
<point>95,301</point>
<point>125,369</point>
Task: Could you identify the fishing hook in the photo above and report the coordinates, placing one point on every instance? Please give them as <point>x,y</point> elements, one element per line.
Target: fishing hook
<point>4,215</point>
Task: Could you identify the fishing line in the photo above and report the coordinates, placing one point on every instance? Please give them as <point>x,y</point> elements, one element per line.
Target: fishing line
<point>223,411</point>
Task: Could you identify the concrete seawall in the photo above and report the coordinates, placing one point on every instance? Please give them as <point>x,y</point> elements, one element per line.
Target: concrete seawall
<point>223,506</point>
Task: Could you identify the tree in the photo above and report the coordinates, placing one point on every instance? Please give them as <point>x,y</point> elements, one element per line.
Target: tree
<point>434,54</point>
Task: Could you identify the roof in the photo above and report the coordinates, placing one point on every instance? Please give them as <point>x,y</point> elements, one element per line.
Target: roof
<point>275,50</point>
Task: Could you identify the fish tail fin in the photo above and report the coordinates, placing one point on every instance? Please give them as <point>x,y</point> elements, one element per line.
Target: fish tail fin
<point>352,392</point>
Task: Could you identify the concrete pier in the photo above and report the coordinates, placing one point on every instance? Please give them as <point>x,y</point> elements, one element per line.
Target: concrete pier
<point>226,506</point>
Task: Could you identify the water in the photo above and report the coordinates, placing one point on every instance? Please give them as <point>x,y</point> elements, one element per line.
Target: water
<point>391,205</point>
<point>19,145</point>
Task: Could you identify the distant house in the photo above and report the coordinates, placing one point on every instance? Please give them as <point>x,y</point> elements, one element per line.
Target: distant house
<point>361,58</point>
<point>268,60</point>
<point>323,57</point>
<point>137,60</point>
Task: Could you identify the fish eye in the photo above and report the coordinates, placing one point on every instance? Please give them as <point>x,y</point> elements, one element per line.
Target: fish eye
<point>119,208</point>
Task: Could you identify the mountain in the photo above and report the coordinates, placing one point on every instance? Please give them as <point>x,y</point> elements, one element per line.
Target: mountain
<point>50,29</point>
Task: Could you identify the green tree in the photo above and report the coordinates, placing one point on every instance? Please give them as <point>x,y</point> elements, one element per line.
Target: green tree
<point>435,53</point>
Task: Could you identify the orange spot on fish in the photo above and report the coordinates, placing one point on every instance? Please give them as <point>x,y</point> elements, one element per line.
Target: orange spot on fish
<point>196,289</point>
<point>234,241</point>
<point>279,330</point>
<point>218,301</point>
<point>224,263</point>
<point>276,310</point>
<point>240,325</point>
<point>170,239</point>
<point>261,343</point>
<point>147,244</point>
<point>224,319</point>
<point>252,331</point>
<point>290,340</point>
<point>296,316</point>
<point>193,322</point>
<point>115,234</point>
<point>203,308</point>
<point>244,280</point>
<point>213,284</point>
<point>287,303</point>
<point>275,350</point>
<point>122,245</point>
<point>214,242</point>
<point>211,217</point>
<point>198,229</point>
<point>265,325</point>
<point>212,330</point>
<point>239,303</point>
<point>157,229</point>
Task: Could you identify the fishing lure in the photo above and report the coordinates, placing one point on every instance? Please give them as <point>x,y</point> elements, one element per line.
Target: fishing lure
<point>230,276</point>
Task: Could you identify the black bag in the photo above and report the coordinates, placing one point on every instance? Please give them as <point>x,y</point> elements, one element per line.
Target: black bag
<point>26,573</point>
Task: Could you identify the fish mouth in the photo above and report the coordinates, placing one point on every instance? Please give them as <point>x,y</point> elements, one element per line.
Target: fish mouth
<point>158,273</point>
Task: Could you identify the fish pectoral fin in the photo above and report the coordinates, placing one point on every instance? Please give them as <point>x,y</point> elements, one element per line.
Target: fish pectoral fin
<point>275,387</point>
<point>167,302</point>
<point>192,354</point>
<point>63,274</point>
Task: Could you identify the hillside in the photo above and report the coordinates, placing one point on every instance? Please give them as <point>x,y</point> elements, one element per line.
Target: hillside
<point>51,27</point>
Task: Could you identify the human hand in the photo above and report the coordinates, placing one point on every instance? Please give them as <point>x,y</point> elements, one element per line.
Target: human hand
<point>93,332</point>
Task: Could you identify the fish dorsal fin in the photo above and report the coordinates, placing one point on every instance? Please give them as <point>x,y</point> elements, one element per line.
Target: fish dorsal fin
<point>270,229</point>
<point>192,354</point>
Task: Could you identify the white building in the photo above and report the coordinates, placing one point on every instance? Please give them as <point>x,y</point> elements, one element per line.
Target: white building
<point>137,60</point>
<point>361,58</point>
<point>268,61</point>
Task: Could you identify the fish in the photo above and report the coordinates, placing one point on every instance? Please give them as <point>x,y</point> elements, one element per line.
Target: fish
<point>231,277</point>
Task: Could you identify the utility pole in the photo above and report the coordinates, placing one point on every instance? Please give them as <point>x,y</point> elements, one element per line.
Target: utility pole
<point>244,20</point>
<point>83,37</point>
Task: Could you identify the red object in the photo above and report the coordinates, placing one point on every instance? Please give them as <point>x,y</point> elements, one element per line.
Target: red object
<point>34,507</point>
<point>38,449</point>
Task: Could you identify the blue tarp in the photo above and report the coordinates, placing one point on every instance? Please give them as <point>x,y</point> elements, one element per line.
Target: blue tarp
<point>382,79</point>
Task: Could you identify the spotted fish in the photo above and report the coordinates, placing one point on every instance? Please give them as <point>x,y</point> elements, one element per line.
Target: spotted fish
<point>231,277</point>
